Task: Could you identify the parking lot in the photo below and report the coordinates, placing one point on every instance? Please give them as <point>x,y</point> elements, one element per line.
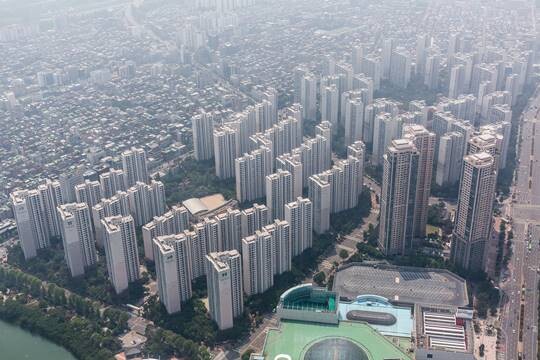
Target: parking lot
<point>403,284</point>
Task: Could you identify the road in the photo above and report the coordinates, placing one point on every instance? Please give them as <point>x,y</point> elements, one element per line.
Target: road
<point>519,314</point>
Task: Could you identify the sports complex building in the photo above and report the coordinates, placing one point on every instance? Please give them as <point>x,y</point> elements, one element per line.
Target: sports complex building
<point>366,317</point>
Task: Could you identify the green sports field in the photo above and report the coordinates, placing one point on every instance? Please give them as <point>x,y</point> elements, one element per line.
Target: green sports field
<point>293,340</point>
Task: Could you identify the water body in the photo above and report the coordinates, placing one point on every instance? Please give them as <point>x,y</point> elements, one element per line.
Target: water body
<point>16,343</point>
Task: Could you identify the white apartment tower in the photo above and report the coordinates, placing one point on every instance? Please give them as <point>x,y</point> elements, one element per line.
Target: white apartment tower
<point>134,166</point>
<point>230,230</point>
<point>299,216</point>
<point>320,194</point>
<point>250,174</point>
<point>121,252</point>
<point>281,236</point>
<point>432,71</point>
<point>474,211</point>
<point>31,221</point>
<point>258,262</point>
<point>173,270</point>
<point>225,151</point>
<point>357,150</point>
<point>388,49</point>
<point>279,191</point>
<point>398,196</point>
<point>292,164</point>
<point>254,218</point>
<point>330,104</point>
<point>146,201</point>
<point>308,96</point>
<point>36,216</point>
<point>450,158</point>
<point>400,68</point>
<point>386,128</point>
<point>224,283</point>
<point>203,129</point>
<point>89,193</point>
<point>116,205</point>
<point>77,237</point>
<point>324,129</point>
<point>112,182</point>
<point>51,196</point>
<point>172,222</point>
<point>425,144</point>
<point>354,120</point>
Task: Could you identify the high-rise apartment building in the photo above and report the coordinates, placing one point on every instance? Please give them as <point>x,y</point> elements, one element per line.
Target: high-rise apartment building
<point>114,206</point>
<point>357,150</point>
<point>345,181</point>
<point>146,201</point>
<point>224,283</point>
<point>225,151</point>
<point>330,104</point>
<point>203,130</point>
<point>450,158</point>
<point>490,143</point>
<point>292,164</point>
<point>89,193</point>
<point>457,81</point>
<point>281,237</point>
<point>36,216</point>
<point>230,230</point>
<point>379,106</point>
<point>354,120</point>
<point>425,144</point>
<point>279,191</point>
<point>254,218</point>
<point>388,49</point>
<point>173,270</point>
<point>423,43</point>
<point>134,166</point>
<point>385,129</point>
<point>432,71</point>
<point>281,137</point>
<point>299,73</point>
<point>363,84</point>
<point>474,211</point>
<point>497,130</point>
<point>51,196</point>
<point>299,216</point>
<point>398,197</point>
<point>68,179</point>
<point>463,107</point>
<point>320,194</point>
<point>112,182</point>
<point>324,129</point>
<point>31,221</point>
<point>258,262</point>
<point>172,222</point>
<point>308,96</point>
<point>372,67</point>
<point>315,155</point>
<point>251,171</point>
<point>121,252</point>
<point>77,237</point>
<point>400,68</point>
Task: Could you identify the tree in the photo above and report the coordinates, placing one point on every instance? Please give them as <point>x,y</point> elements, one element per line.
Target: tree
<point>343,254</point>
<point>319,278</point>
<point>247,354</point>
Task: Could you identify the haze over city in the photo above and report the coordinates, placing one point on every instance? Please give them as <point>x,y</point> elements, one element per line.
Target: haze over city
<point>269,180</point>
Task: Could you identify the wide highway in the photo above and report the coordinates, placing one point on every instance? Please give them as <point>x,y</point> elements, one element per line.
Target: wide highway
<point>519,313</point>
